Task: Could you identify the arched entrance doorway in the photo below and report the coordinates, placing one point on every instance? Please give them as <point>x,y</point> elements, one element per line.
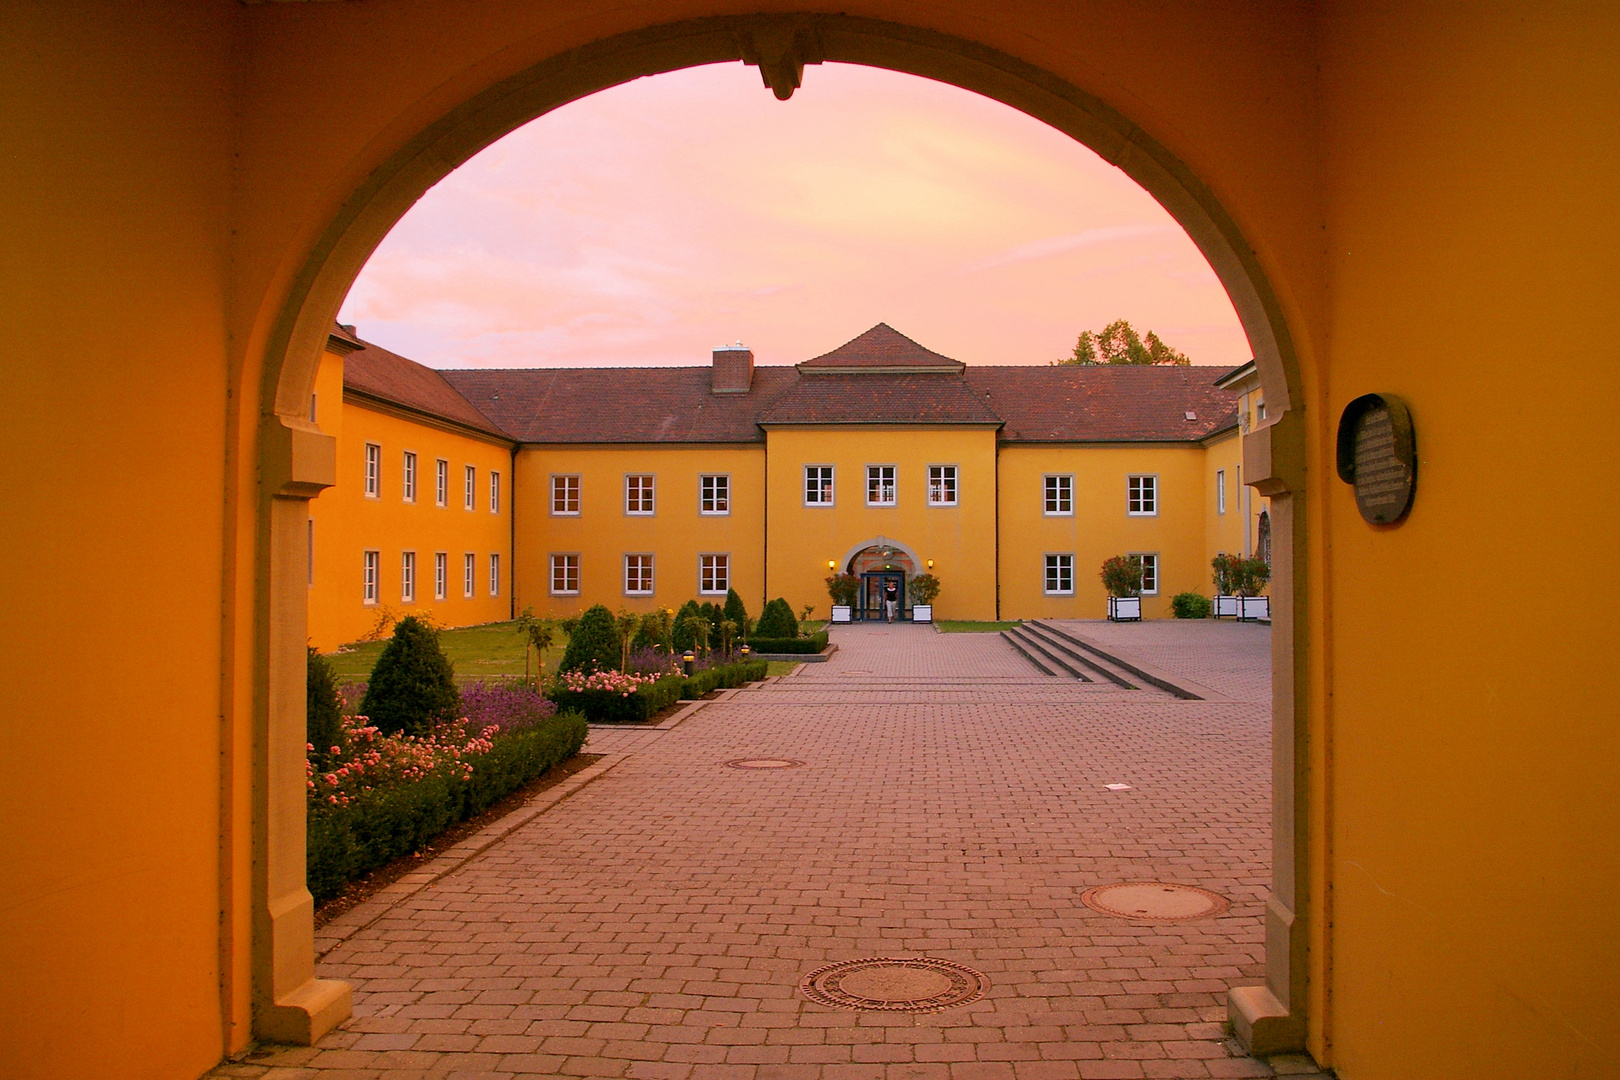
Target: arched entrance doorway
<point>295,457</point>
<point>883,565</point>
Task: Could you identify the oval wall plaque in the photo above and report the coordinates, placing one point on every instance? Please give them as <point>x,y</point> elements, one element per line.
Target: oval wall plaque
<point>1377,455</point>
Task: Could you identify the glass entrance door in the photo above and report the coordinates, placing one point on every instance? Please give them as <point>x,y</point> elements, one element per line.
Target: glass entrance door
<point>873,585</point>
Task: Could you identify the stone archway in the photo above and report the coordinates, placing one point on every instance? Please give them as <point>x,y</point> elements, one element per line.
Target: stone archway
<point>296,459</point>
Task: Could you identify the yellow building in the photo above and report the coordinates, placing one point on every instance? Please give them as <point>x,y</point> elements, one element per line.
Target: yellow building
<point>883,459</point>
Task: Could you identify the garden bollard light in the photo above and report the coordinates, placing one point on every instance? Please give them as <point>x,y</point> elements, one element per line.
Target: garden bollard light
<point>687,661</point>
<point>746,652</point>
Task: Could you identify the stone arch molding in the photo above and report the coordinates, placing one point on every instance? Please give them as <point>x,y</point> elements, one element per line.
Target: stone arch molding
<point>878,541</point>
<point>296,460</point>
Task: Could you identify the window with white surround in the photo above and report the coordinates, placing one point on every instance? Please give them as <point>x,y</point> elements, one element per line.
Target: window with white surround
<point>373,470</point>
<point>1059,494</point>
<point>407,577</point>
<point>565,575</point>
<point>638,493</point>
<point>494,492</point>
<point>1060,575</point>
<point>441,574</point>
<point>880,485</point>
<point>1220,491</point>
<point>942,485</point>
<point>441,482</point>
<point>818,485</point>
<point>1141,496</point>
<point>470,494</point>
<point>1150,572</point>
<point>368,582</point>
<point>565,495</point>
<point>638,575</point>
<point>409,478</point>
<point>494,574</point>
<point>714,574</point>
<point>469,575</point>
<point>714,494</point>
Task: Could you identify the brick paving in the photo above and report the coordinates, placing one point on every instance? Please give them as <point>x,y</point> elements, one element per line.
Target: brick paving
<point>656,925</point>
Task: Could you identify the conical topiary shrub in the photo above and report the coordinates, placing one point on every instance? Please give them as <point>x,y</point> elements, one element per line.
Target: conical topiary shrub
<point>323,709</point>
<point>735,612</point>
<point>681,632</point>
<point>413,684</point>
<point>594,644</point>
<point>777,621</point>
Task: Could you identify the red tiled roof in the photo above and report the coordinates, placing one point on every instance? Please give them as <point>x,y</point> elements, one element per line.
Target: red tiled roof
<point>376,372</point>
<point>1106,402</point>
<point>881,347</point>
<point>880,399</point>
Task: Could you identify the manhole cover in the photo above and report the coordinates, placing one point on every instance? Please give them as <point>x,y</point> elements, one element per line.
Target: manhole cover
<point>1154,901</point>
<point>764,763</point>
<point>894,984</point>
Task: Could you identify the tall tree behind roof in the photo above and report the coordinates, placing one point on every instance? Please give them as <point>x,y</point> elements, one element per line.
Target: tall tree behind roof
<point>1119,343</point>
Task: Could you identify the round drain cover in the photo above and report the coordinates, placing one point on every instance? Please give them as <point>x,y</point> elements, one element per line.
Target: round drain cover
<point>894,984</point>
<point>764,763</point>
<point>1154,901</point>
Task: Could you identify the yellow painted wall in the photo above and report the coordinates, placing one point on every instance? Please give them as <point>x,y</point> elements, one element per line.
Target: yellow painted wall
<point>960,539</point>
<point>1100,526</point>
<point>347,522</point>
<point>1223,532</point>
<point>676,534</point>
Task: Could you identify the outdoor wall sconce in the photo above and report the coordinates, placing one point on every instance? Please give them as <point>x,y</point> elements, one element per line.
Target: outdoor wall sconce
<point>831,563</point>
<point>930,564</point>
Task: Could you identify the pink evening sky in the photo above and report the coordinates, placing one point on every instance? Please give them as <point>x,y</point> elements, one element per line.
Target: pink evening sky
<point>648,223</point>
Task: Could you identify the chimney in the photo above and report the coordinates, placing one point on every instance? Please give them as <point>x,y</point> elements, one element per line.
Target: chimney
<point>733,371</point>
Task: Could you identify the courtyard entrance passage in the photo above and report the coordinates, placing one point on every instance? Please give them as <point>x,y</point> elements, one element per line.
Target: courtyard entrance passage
<point>920,795</point>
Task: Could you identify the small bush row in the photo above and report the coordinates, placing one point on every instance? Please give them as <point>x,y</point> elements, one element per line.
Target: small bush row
<point>608,706</point>
<point>722,676</point>
<point>795,645</point>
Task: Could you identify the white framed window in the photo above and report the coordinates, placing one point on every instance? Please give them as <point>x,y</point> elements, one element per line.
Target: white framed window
<point>565,496</point>
<point>407,577</point>
<point>638,575</point>
<point>1150,572</point>
<point>880,485</point>
<point>494,492</point>
<point>408,477</point>
<point>818,485</point>
<point>1059,489</point>
<point>469,575</point>
<point>1220,491</point>
<point>714,494</point>
<point>1059,574</point>
<point>373,470</point>
<point>638,493</point>
<point>1141,496</point>
<point>714,574</point>
<point>441,482</point>
<point>470,492</point>
<point>494,574</point>
<point>942,485</point>
<point>441,574</point>
<point>1259,411</point>
<point>372,562</point>
<point>565,575</point>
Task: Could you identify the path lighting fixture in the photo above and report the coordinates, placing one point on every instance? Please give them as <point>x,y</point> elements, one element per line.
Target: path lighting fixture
<point>687,660</point>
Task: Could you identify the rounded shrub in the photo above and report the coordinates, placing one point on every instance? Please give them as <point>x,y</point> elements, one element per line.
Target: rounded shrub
<point>681,633</point>
<point>413,683</point>
<point>324,709</point>
<point>1190,605</point>
<point>594,645</point>
<point>777,621</point>
<point>735,611</point>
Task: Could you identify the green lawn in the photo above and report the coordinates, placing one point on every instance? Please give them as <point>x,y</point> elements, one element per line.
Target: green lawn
<point>779,667</point>
<point>965,626</point>
<point>476,651</point>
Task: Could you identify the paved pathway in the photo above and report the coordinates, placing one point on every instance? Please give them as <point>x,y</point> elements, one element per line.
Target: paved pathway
<point>656,925</point>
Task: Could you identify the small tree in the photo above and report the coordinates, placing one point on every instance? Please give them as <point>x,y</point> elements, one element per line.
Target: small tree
<point>730,631</point>
<point>698,625</point>
<point>324,709</point>
<point>1122,575</point>
<point>537,635</point>
<point>736,612</point>
<point>681,632</point>
<point>413,684</point>
<point>715,615</point>
<point>1119,343</point>
<point>806,611</point>
<point>844,588</point>
<point>594,645</point>
<point>777,621</point>
<point>654,631</point>
<point>923,588</point>
<point>625,624</point>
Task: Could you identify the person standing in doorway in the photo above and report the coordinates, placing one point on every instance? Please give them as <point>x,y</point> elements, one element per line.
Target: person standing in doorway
<point>891,600</point>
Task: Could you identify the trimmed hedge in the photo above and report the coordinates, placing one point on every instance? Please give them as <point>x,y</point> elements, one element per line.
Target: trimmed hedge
<point>777,621</point>
<point>412,684</point>
<point>606,707</point>
<point>722,676</point>
<point>1191,605</point>
<point>593,644</point>
<point>374,829</point>
<point>812,644</point>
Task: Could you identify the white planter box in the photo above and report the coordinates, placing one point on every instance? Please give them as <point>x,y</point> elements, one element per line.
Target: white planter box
<point>1125,609</point>
<point>1227,607</point>
<point>840,613</point>
<point>922,613</point>
<point>1256,607</point>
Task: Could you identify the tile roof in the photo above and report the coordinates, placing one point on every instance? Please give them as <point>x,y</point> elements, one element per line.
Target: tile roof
<point>881,347</point>
<point>378,373</point>
<point>1106,402</point>
<point>880,399</point>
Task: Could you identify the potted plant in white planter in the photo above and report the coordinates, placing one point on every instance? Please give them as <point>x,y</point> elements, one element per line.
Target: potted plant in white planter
<point>923,589</point>
<point>843,588</point>
<point>1238,582</point>
<point>1228,604</point>
<point>1122,577</point>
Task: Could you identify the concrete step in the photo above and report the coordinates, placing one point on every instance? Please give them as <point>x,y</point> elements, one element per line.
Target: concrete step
<point>1098,665</point>
<point>1042,654</point>
<point>1027,652</point>
<point>1140,671</point>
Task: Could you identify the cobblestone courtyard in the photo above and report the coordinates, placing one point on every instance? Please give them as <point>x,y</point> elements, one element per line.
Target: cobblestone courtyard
<point>951,803</point>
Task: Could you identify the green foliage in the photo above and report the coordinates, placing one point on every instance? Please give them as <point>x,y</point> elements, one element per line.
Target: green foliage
<point>721,676</point>
<point>1191,605</point>
<point>1122,575</point>
<point>1119,343</point>
<point>608,707</point>
<point>323,707</point>
<point>654,632</point>
<point>625,624</point>
<point>716,615</point>
<point>380,826</point>
<point>777,621</point>
<point>568,626</point>
<point>844,588</point>
<point>736,612</point>
<point>794,645</point>
<point>537,635</point>
<point>1237,576</point>
<point>413,684</point>
<point>700,628</point>
<point>681,632</point>
<point>923,588</point>
<point>594,645</point>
